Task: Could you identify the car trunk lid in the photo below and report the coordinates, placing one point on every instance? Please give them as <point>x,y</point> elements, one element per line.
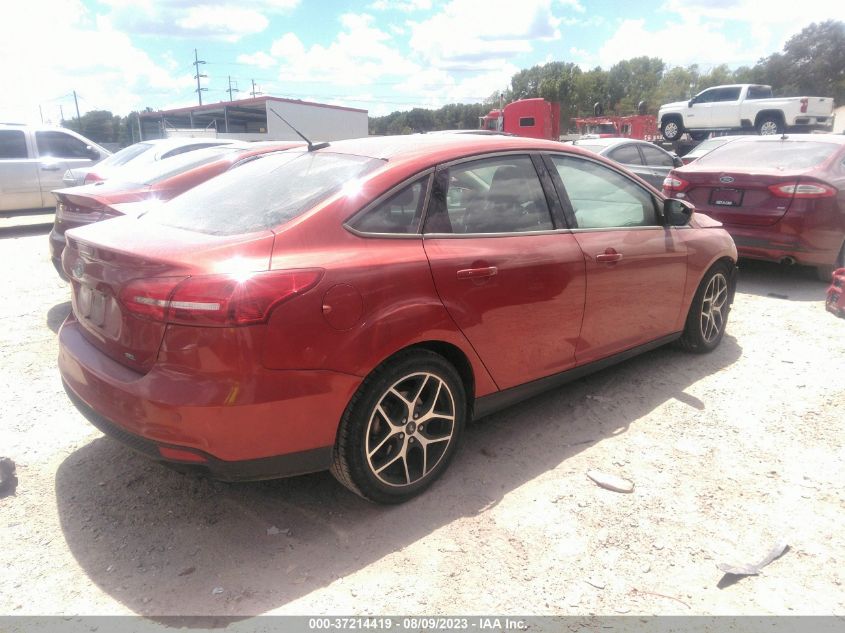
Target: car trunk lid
<point>101,261</point>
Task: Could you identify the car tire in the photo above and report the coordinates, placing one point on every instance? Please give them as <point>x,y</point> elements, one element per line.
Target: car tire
<point>708,314</point>
<point>401,428</point>
<point>769,126</point>
<point>671,129</point>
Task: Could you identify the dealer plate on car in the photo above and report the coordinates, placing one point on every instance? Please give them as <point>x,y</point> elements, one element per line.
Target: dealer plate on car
<point>726,197</point>
<point>91,305</point>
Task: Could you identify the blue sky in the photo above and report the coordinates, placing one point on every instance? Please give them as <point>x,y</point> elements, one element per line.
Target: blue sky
<point>379,55</point>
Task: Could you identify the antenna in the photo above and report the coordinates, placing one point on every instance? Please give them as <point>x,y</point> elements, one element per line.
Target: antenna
<point>311,146</point>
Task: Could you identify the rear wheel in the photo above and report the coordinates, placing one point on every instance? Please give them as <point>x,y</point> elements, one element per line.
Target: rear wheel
<point>708,313</point>
<point>671,129</point>
<point>769,125</point>
<point>401,429</point>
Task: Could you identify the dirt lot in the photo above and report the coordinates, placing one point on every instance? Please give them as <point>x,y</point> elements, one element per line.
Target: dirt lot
<point>729,452</point>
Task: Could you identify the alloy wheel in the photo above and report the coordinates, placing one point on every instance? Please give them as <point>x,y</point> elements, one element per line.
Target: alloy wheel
<point>712,307</point>
<point>410,429</point>
<point>768,127</point>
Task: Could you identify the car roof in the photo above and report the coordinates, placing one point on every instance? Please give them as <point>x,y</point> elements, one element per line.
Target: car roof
<point>611,141</point>
<point>438,148</point>
<point>836,139</point>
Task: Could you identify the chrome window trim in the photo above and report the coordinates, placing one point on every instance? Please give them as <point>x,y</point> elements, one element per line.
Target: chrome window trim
<point>463,236</point>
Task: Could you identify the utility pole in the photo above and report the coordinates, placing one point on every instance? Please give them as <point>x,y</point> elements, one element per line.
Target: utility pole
<point>78,118</point>
<point>197,62</point>
<point>254,93</point>
<point>61,115</point>
<point>231,90</point>
<point>41,112</point>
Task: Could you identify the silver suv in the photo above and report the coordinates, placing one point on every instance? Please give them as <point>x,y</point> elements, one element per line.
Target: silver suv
<point>33,160</point>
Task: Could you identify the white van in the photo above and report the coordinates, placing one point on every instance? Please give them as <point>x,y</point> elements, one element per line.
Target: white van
<point>33,160</point>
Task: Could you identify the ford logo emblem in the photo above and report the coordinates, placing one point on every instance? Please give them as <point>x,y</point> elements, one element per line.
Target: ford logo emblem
<point>78,269</point>
<point>726,179</point>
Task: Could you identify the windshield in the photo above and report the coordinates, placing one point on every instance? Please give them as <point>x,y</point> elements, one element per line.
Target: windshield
<point>263,193</point>
<point>780,155</point>
<point>151,173</point>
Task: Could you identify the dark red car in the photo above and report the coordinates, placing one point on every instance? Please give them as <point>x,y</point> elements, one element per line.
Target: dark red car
<point>350,308</point>
<point>782,199</point>
<point>156,182</point>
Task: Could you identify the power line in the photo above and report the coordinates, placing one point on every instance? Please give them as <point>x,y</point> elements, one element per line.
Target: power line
<point>197,63</point>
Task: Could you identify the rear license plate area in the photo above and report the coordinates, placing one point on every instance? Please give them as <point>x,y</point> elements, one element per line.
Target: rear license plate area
<point>726,197</point>
<point>91,305</point>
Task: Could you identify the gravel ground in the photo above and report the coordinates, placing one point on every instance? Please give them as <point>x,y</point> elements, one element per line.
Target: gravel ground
<point>729,452</point>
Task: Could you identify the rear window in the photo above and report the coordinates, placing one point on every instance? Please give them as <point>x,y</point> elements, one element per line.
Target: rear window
<point>782,155</point>
<point>263,193</point>
<point>151,173</point>
<point>125,155</point>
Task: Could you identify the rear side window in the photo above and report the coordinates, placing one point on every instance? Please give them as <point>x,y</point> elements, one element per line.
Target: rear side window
<point>60,145</point>
<point>399,214</point>
<point>627,154</point>
<point>602,198</point>
<point>781,155</point>
<point>264,193</point>
<point>727,94</point>
<point>759,92</point>
<point>526,121</point>
<point>12,144</point>
<point>656,158</point>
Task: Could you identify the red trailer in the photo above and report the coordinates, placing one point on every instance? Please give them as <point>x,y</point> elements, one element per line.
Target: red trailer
<point>639,126</point>
<point>535,118</point>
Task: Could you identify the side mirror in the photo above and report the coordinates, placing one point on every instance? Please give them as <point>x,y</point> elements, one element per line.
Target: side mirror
<point>677,212</point>
<point>93,154</point>
<point>690,102</point>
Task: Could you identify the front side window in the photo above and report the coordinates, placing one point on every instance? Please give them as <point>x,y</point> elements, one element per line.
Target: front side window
<point>603,198</point>
<point>493,195</point>
<point>60,145</point>
<point>399,214</point>
<point>12,144</point>
<point>705,97</point>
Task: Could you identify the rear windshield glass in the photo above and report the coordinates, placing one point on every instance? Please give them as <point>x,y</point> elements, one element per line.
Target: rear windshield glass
<point>263,193</point>
<point>151,173</point>
<point>593,148</point>
<point>126,154</point>
<point>780,155</point>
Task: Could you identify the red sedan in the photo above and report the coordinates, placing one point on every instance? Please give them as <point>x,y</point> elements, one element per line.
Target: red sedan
<point>162,180</point>
<point>350,308</point>
<point>781,198</point>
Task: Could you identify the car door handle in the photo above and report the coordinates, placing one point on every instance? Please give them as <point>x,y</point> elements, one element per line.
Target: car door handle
<point>609,256</point>
<point>50,167</point>
<point>476,273</point>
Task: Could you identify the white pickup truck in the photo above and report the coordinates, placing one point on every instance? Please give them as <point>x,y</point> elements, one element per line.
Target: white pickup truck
<point>33,161</point>
<point>743,107</point>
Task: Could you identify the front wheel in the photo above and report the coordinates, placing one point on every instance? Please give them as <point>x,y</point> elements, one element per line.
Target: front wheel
<point>671,130</point>
<point>401,429</point>
<point>708,314</point>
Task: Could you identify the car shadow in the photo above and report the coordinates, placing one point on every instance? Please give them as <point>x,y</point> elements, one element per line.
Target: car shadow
<point>57,315</point>
<point>779,281</point>
<point>166,544</point>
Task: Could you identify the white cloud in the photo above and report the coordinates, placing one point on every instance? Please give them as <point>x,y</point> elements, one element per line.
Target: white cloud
<point>699,42</point>
<point>218,19</point>
<point>106,69</point>
<point>400,5</point>
<point>461,32</point>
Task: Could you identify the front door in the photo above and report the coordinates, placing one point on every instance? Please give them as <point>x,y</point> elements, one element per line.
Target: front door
<point>636,268</point>
<point>510,278</point>
<point>58,152</point>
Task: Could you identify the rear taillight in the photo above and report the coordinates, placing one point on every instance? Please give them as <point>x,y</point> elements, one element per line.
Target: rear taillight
<point>802,190</point>
<point>91,177</point>
<point>804,102</point>
<point>216,300</point>
<point>674,184</point>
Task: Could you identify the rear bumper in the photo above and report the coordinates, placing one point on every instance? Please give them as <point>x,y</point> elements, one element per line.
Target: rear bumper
<point>266,424</point>
<point>768,244</point>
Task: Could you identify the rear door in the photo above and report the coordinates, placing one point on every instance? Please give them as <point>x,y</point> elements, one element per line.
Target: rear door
<point>509,274</point>
<point>658,162</point>
<point>636,268</point>
<point>19,186</point>
<point>725,109</point>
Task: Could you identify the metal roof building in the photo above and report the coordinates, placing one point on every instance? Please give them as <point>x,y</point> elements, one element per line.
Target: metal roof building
<point>254,120</point>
